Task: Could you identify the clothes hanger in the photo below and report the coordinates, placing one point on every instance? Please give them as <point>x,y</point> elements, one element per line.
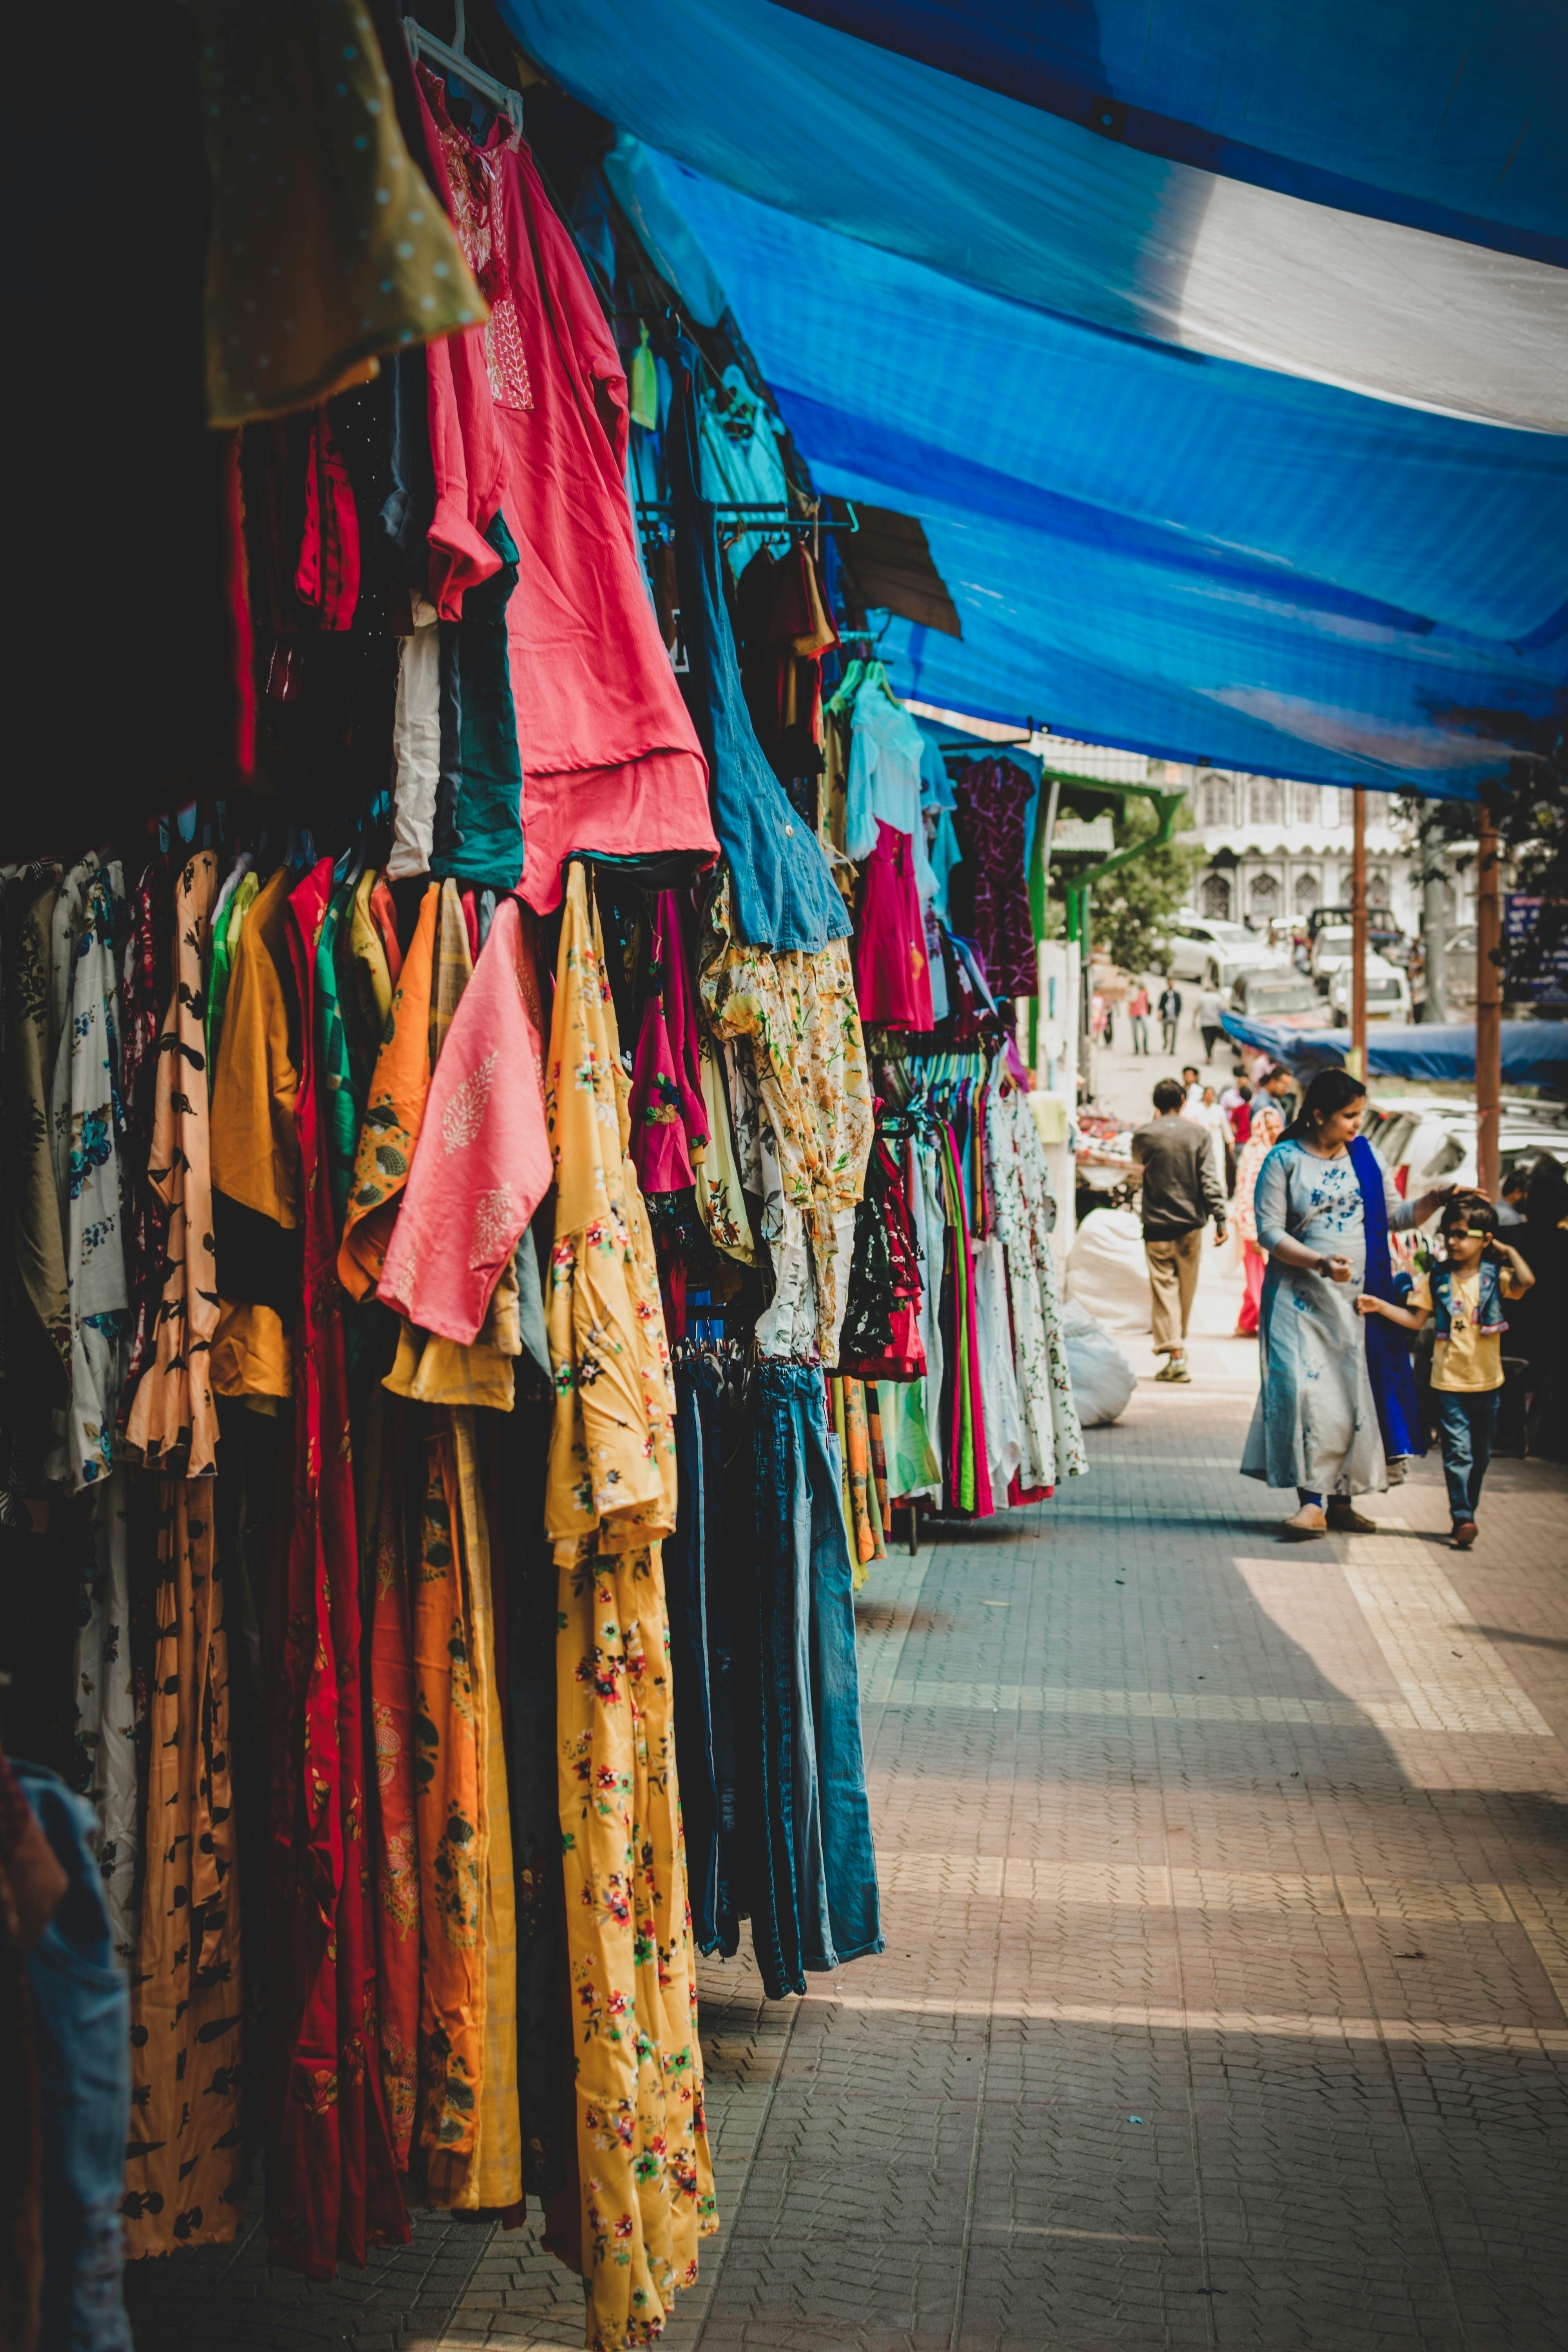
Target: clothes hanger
<point>454,60</point>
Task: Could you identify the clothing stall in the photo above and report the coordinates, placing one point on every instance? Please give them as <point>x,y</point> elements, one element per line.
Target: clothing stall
<point>518,1170</point>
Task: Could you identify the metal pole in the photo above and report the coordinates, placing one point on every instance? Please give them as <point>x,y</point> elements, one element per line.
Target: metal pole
<point>1358,939</point>
<point>1489,1002</point>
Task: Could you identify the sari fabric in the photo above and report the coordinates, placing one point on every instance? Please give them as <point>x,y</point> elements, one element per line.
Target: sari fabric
<point>184,2168</point>
<point>643,2168</point>
<point>393,1115</point>
<point>333,2187</point>
<point>395,1837</point>
<point>483,1163</point>
<point>1388,1362</point>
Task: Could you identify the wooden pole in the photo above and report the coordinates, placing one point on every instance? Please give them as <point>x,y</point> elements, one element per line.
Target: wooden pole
<point>1358,939</point>
<point>1489,1002</point>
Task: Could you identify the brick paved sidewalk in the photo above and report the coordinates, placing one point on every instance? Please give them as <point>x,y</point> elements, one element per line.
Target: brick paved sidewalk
<point>1224,2002</point>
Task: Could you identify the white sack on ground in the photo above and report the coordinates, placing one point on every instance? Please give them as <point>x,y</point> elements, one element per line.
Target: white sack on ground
<point>1102,1379</point>
<point>1108,1275</point>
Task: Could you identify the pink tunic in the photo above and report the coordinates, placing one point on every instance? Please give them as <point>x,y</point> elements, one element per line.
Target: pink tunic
<point>482,1162</point>
<point>610,758</point>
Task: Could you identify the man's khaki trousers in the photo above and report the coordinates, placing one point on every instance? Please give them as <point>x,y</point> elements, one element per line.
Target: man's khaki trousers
<point>1173,1278</point>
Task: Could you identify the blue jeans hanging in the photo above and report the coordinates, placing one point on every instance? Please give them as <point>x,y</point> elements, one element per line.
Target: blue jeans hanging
<point>803,1572</point>
<point>82,2032</point>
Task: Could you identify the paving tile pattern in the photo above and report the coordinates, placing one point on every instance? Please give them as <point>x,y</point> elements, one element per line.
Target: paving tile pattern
<point>1225,1995</point>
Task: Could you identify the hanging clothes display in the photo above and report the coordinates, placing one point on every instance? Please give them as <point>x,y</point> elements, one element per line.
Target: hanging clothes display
<point>481,1286</point>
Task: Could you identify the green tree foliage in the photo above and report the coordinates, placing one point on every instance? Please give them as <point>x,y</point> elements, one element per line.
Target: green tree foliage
<point>1132,910</point>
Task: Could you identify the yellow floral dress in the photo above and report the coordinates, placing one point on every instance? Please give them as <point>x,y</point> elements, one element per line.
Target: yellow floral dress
<point>642,2146</point>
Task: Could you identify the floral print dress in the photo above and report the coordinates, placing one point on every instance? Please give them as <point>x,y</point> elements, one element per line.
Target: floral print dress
<point>798,1012</point>
<point>1020,1188</point>
<point>642,2165</point>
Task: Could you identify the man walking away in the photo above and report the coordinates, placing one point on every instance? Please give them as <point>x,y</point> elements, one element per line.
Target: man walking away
<point>1170,1013</point>
<point>1210,1020</point>
<point>1181,1191</point>
<point>1138,1013</point>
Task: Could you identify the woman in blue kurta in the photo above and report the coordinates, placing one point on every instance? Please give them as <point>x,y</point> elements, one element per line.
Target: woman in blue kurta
<point>1329,1413</point>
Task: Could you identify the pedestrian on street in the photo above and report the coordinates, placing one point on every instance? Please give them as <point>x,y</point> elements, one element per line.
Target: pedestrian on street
<point>1236,1103</point>
<point>1511,1194</point>
<point>1336,1401</point>
<point>1465,1293</point>
<point>1539,1332</point>
<point>1138,1013</point>
<point>1210,1113</point>
<point>1192,1091</point>
<point>1279,1087</point>
<point>1210,1020</point>
<point>1180,1192</point>
<point>1170,1013</point>
<point>1266,1133</point>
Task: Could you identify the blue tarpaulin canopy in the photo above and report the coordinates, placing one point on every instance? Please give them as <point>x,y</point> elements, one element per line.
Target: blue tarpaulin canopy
<point>1213,466</point>
<point>1534,1053</point>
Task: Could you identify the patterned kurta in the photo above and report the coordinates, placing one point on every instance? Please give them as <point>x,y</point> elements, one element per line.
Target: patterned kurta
<point>798,1013</point>
<point>642,2149</point>
<point>174,1418</point>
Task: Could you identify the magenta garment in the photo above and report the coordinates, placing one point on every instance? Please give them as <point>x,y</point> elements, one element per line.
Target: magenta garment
<point>989,893</point>
<point>893,975</point>
<point>482,1164</point>
<point>659,1138</point>
<point>669,1126</point>
<point>680,1017</point>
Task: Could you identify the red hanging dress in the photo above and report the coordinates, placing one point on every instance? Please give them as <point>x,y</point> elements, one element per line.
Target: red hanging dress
<point>610,758</point>
<point>333,2187</point>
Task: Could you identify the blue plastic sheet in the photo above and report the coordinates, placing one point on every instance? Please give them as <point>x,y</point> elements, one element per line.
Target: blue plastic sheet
<point>1409,112</point>
<point>1128,397</point>
<point>988,189</point>
<point>1534,1053</point>
<point>1200,562</point>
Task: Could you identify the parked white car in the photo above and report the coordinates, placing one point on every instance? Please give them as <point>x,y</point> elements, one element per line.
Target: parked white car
<point>1387,992</point>
<point>1331,948</point>
<point>1427,1140</point>
<point>1210,953</point>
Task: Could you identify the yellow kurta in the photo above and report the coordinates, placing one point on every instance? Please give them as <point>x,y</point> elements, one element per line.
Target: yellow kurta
<point>255,1154</point>
<point>642,2146</point>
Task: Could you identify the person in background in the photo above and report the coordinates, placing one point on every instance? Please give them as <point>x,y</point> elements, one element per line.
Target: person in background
<point>1170,1013</point>
<point>1209,1115</point>
<point>1210,1020</point>
<point>1267,1128</point>
<point>1096,1016</point>
<point>1539,1332</point>
<point>1192,1091</point>
<point>1511,1194</point>
<point>1465,1293</point>
<point>1108,1023</point>
<point>1174,1162</point>
<point>1236,1103</point>
<point>1337,1398</point>
<point>1138,1013</point>
<point>1281,1089</point>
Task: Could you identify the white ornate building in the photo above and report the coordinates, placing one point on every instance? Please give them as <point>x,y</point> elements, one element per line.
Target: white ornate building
<point>1273,847</point>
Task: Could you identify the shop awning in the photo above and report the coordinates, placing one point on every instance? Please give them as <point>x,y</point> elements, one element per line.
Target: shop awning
<point>1534,1053</point>
<point>1280,490</point>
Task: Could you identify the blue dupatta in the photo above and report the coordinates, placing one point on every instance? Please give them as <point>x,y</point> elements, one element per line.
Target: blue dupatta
<point>1387,1349</point>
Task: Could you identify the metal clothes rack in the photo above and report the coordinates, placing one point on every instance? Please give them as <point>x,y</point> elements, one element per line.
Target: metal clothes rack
<point>453,57</point>
<point>771,516</point>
